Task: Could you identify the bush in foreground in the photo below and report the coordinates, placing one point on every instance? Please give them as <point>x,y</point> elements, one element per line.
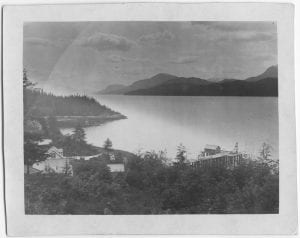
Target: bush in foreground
<point>150,186</point>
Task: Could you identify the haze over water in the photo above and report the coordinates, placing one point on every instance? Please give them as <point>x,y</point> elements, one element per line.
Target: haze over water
<point>163,122</point>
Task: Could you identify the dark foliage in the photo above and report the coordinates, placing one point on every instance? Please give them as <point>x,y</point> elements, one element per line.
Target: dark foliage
<point>107,144</point>
<point>74,147</point>
<point>40,104</point>
<point>26,82</point>
<point>150,186</point>
<point>32,151</point>
<point>79,135</point>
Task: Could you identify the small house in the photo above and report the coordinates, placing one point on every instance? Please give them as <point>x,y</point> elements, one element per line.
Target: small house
<point>55,153</point>
<point>55,163</point>
<point>113,160</point>
<point>116,167</point>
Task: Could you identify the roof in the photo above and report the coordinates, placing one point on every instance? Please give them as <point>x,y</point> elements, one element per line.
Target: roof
<point>211,147</point>
<point>54,149</point>
<point>110,157</point>
<point>220,155</point>
<point>45,142</point>
<point>31,170</point>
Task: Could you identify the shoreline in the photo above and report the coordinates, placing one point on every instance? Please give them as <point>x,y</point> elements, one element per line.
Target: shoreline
<point>86,121</point>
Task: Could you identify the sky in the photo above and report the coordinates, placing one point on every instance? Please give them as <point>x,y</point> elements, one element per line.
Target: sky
<point>85,57</point>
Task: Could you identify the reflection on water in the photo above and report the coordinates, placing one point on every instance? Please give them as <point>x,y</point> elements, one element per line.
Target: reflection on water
<point>158,123</point>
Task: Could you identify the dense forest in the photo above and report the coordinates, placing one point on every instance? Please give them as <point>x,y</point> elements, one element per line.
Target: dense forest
<point>68,110</point>
<point>38,104</point>
<point>151,186</point>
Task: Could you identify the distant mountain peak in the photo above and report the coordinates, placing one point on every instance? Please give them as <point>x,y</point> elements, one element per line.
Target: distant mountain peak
<point>271,72</point>
<point>273,66</point>
<point>165,84</point>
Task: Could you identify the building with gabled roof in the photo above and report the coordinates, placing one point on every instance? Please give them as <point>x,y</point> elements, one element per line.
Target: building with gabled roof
<point>54,152</point>
<point>55,163</point>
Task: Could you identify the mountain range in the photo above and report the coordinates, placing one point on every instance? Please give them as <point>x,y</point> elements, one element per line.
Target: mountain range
<point>265,85</point>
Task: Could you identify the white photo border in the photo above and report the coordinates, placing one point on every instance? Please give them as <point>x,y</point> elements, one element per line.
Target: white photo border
<point>19,224</point>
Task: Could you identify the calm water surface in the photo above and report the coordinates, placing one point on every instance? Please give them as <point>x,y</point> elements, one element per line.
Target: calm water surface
<point>162,123</point>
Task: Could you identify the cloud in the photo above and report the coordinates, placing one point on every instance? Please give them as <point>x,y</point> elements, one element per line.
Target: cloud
<point>116,58</point>
<point>119,58</point>
<point>257,37</point>
<point>185,60</point>
<point>127,71</point>
<point>264,57</point>
<point>104,42</point>
<point>235,26</point>
<point>158,37</point>
<point>248,37</point>
<point>133,72</point>
<point>234,38</point>
<point>36,41</point>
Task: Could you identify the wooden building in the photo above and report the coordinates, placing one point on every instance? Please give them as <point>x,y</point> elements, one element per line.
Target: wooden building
<point>55,163</point>
<point>213,156</point>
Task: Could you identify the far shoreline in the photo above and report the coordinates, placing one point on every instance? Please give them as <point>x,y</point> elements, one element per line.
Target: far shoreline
<point>65,122</point>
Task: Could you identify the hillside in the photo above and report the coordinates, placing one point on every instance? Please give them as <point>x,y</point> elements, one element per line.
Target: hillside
<point>69,110</point>
<point>140,84</point>
<point>264,87</point>
<point>265,84</point>
<point>111,88</point>
<point>271,72</point>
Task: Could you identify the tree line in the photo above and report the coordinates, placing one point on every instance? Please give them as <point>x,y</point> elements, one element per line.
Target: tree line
<point>38,103</point>
<point>150,185</point>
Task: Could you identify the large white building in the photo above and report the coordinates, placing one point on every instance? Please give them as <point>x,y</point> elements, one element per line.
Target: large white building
<point>213,156</point>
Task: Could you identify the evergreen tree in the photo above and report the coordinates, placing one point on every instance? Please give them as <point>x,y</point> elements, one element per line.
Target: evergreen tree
<point>181,154</point>
<point>45,126</point>
<point>33,153</point>
<point>107,144</point>
<point>265,152</point>
<point>26,82</point>
<point>40,104</point>
<point>67,170</point>
<point>53,129</point>
<point>79,134</point>
<point>266,158</point>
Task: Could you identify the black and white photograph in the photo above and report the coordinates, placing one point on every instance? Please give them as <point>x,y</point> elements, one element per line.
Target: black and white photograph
<point>151,117</point>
